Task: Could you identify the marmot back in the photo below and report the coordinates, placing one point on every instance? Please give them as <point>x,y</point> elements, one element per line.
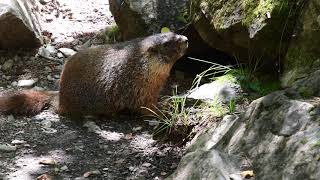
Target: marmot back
<point>107,79</point>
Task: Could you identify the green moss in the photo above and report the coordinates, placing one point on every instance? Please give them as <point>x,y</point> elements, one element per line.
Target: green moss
<point>258,9</point>
<point>316,145</point>
<point>304,140</point>
<point>305,92</point>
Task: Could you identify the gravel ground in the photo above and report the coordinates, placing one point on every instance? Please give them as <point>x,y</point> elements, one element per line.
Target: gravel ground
<point>51,147</point>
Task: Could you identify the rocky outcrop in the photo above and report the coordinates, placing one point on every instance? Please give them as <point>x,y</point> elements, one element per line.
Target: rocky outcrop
<point>247,29</point>
<point>19,25</point>
<point>278,135</point>
<point>138,18</point>
<point>303,55</point>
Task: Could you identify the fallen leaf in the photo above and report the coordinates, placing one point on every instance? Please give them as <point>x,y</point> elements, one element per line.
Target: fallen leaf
<point>247,174</point>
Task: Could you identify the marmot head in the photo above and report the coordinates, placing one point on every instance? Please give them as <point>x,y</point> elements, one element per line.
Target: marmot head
<point>167,47</point>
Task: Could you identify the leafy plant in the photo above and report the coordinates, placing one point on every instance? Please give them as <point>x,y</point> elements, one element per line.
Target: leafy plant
<point>216,108</point>
<point>170,115</point>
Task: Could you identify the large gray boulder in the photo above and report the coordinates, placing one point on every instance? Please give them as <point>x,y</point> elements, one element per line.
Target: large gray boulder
<point>278,134</point>
<point>19,27</point>
<point>137,18</point>
<point>250,30</point>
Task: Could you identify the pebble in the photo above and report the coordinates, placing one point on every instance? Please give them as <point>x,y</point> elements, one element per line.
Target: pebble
<point>67,52</point>
<point>50,78</point>
<point>26,82</point>
<point>14,83</point>
<point>7,148</point>
<point>146,164</point>
<point>17,142</point>
<point>7,65</point>
<point>137,128</point>
<point>48,162</point>
<point>92,126</point>
<point>11,118</point>
<point>64,168</point>
<point>60,55</point>
<point>90,173</point>
<point>46,123</point>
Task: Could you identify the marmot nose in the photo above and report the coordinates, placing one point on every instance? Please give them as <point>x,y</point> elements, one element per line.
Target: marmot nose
<point>184,38</point>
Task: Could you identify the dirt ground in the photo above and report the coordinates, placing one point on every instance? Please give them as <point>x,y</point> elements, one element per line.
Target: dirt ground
<point>53,147</point>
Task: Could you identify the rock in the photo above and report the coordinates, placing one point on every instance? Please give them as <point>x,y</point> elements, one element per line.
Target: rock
<point>50,78</point>
<point>44,2</point>
<point>19,26</point>
<point>223,89</point>
<point>47,51</point>
<point>18,142</point>
<point>279,135</point>
<point>91,173</point>
<point>64,168</point>
<point>303,56</point>
<point>137,128</point>
<point>11,118</point>
<point>26,83</point>
<point>67,52</point>
<point>7,148</point>
<point>7,65</point>
<point>14,83</point>
<point>60,55</point>
<point>136,19</point>
<point>92,126</point>
<point>206,165</point>
<point>239,27</point>
<point>49,162</point>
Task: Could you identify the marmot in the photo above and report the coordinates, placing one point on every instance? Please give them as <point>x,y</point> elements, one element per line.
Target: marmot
<point>107,79</point>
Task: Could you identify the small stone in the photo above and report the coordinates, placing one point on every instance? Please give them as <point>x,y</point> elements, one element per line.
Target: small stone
<point>67,52</point>
<point>7,65</point>
<point>92,126</point>
<point>64,168</point>
<point>163,173</point>
<point>60,55</point>
<point>11,118</point>
<point>146,164</point>
<point>46,123</point>
<point>47,52</point>
<point>44,2</point>
<point>50,78</point>
<point>90,173</point>
<point>105,169</point>
<point>137,128</point>
<point>14,83</point>
<point>27,82</point>
<point>48,162</point>
<point>17,142</point>
<point>7,148</point>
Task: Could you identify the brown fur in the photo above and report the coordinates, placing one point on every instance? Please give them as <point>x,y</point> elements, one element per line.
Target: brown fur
<point>26,102</point>
<point>107,79</point>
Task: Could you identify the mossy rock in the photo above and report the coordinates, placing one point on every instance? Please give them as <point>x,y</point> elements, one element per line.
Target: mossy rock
<point>303,55</point>
<point>247,29</point>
